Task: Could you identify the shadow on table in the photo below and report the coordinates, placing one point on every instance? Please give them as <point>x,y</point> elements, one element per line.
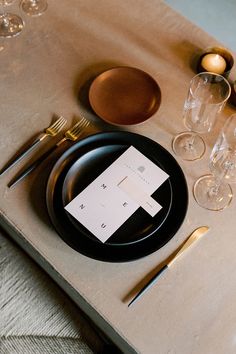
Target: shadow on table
<point>188,53</point>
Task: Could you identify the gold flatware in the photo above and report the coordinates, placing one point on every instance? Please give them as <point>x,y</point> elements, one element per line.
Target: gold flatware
<point>52,131</point>
<point>195,235</point>
<point>72,134</point>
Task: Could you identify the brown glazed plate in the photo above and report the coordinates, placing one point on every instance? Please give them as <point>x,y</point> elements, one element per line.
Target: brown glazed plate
<point>124,96</point>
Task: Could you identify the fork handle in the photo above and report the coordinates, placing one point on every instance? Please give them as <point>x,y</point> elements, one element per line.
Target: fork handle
<point>31,167</point>
<point>20,156</point>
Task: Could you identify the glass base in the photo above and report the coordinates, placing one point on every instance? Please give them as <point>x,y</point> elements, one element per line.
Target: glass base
<point>34,7</point>
<point>189,146</point>
<point>210,197</point>
<point>10,25</point>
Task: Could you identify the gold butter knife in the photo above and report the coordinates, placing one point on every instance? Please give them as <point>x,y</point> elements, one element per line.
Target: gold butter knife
<point>195,235</point>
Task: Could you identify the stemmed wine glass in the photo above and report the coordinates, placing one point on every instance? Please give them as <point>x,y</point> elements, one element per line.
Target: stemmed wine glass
<point>213,192</point>
<point>10,24</point>
<point>206,97</point>
<point>34,7</point>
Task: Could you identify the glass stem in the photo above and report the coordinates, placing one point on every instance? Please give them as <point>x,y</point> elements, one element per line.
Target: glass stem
<point>214,190</point>
<point>190,143</point>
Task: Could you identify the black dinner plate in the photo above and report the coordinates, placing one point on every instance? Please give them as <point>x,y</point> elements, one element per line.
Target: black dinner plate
<point>141,234</point>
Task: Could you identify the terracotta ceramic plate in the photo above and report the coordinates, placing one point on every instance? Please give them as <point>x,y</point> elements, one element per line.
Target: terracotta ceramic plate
<point>124,96</point>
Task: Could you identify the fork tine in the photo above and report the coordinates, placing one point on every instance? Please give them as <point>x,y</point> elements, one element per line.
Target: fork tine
<point>84,123</point>
<point>60,121</point>
<point>79,128</point>
<point>79,125</point>
<point>55,129</point>
<point>73,129</point>
<point>80,122</point>
<point>60,124</point>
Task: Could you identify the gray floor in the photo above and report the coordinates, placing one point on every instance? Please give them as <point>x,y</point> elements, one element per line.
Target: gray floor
<point>217,17</point>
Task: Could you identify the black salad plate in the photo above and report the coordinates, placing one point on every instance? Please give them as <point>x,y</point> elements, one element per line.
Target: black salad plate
<point>141,234</point>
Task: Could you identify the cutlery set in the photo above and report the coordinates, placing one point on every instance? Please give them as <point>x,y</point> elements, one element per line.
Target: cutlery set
<point>53,130</point>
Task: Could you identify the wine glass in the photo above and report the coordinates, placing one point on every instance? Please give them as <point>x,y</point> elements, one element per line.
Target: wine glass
<point>34,7</point>
<point>213,191</point>
<point>10,24</point>
<point>206,97</point>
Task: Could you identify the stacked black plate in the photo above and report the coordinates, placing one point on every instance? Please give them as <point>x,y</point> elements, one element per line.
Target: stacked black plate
<point>141,234</point>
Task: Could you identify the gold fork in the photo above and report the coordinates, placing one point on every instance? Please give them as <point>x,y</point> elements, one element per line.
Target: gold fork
<point>52,130</point>
<point>72,134</point>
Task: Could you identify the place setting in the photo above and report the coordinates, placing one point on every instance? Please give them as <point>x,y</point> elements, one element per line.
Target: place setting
<point>126,222</point>
<point>118,196</point>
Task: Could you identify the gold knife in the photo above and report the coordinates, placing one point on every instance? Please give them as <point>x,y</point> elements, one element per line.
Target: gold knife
<point>194,236</point>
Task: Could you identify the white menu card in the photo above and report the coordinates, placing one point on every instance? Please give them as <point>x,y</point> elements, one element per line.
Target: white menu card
<point>128,183</point>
